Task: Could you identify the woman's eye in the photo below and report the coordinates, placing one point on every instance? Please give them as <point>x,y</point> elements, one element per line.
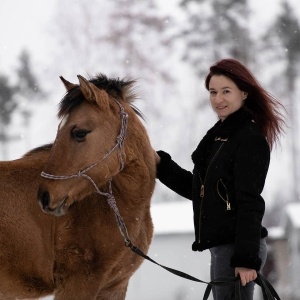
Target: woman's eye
<point>79,134</point>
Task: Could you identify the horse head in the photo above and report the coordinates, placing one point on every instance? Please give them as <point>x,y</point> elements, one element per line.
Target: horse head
<point>89,147</point>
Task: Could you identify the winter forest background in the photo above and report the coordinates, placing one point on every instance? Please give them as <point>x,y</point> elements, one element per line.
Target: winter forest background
<point>168,46</point>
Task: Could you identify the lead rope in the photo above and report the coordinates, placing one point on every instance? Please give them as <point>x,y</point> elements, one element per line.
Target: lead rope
<point>113,205</point>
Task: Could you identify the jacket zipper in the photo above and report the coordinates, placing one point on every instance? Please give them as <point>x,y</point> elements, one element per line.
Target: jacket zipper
<point>228,206</point>
<point>203,184</point>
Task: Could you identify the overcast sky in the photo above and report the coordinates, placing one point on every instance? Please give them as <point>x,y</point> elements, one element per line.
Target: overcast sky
<point>23,24</point>
<point>27,23</point>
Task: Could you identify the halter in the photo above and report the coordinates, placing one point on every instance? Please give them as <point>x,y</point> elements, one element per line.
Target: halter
<point>82,173</point>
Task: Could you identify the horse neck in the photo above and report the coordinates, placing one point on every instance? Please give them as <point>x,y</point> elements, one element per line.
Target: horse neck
<point>139,169</point>
<point>137,145</point>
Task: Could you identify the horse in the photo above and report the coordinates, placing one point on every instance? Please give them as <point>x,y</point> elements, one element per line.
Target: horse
<point>94,187</point>
<point>26,252</point>
<point>101,141</point>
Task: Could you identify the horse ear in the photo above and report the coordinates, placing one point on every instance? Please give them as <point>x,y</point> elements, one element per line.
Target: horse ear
<point>92,93</point>
<point>68,85</point>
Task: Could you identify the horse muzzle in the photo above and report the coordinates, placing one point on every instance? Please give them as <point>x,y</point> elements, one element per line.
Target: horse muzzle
<point>45,203</point>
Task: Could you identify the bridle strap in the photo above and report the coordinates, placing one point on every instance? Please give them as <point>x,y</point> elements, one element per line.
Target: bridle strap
<point>109,195</point>
<point>119,144</point>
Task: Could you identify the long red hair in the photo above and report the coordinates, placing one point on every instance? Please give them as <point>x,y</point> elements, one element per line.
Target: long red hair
<point>264,107</point>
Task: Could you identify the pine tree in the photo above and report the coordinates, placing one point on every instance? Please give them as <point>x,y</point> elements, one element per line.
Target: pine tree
<point>27,87</point>
<point>27,82</point>
<point>7,107</point>
<point>215,29</point>
<point>288,31</point>
<point>7,102</point>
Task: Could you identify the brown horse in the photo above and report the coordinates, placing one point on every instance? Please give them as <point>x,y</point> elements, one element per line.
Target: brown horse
<point>102,152</point>
<point>26,251</point>
<point>96,186</point>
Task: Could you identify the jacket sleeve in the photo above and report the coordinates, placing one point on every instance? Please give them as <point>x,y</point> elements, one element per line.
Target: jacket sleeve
<point>250,171</point>
<point>173,176</point>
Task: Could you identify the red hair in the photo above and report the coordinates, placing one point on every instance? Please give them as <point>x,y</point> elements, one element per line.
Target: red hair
<point>264,107</point>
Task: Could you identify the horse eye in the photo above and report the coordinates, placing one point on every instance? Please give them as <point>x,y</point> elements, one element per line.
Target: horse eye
<point>79,134</point>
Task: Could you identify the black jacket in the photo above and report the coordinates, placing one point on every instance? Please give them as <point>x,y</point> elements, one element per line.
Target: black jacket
<point>230,167</point>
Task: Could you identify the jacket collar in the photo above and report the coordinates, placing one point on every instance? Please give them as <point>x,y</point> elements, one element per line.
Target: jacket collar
<point>231,124</point>
<point>221,131</point>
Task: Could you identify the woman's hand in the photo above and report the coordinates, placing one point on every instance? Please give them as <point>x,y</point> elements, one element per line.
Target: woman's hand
<point>246,275</point>
<point>157,158</point>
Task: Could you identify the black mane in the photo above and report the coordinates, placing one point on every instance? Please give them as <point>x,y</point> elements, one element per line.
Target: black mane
<point>120,89</point>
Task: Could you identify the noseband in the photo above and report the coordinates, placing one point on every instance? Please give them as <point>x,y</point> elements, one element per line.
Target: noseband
<point>82,173</point>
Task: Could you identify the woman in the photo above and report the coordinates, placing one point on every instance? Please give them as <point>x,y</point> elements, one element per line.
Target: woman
<point>230,168</point>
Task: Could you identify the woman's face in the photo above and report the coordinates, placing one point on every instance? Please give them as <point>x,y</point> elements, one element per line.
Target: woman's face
<point>225,96</point>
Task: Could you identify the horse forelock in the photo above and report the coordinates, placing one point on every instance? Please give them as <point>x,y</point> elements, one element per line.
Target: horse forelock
<point>120,89</point>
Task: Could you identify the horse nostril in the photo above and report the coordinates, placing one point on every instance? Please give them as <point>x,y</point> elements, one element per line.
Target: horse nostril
<point>45,199</point>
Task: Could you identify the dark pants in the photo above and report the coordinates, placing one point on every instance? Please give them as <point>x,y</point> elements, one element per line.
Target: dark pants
<point>220,267</point>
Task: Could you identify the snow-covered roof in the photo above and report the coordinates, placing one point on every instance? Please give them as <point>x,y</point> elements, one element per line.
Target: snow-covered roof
<point>293,213</point>
<point>172,217</point>
<point>276,232</point>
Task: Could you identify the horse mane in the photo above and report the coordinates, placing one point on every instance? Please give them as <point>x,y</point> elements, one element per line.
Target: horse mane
<point>39,149</point>
<point>121,89</point>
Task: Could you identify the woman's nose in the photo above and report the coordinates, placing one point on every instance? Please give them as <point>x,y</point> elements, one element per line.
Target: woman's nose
<point>218,98</point>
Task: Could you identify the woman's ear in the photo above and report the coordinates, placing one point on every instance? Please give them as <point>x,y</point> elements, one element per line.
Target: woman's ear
<point>245,95</point>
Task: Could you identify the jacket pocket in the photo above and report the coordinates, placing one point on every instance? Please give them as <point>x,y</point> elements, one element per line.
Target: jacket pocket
<point>223,194</point>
